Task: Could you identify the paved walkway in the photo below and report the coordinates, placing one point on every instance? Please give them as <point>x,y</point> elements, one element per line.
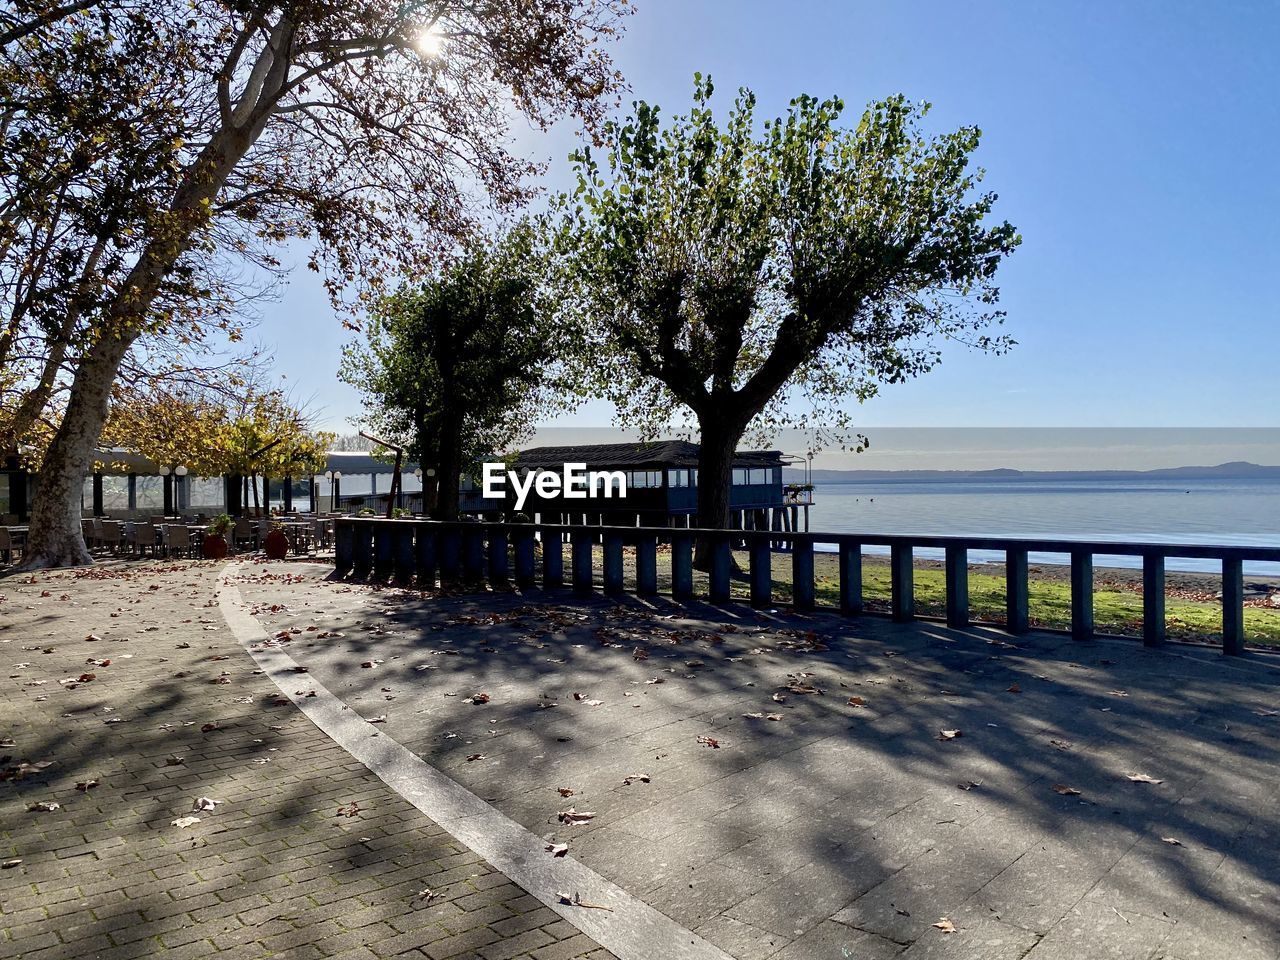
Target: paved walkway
<point>851,826</point>
<point>306,853</point>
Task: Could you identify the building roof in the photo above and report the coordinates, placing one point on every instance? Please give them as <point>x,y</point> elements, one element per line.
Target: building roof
<point>660,453</point>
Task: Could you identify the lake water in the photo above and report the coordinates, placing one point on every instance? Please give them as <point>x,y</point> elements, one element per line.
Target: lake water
<point>1245,512</point>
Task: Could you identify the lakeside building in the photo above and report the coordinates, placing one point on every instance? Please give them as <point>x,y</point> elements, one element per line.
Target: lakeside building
<point>661,479</point>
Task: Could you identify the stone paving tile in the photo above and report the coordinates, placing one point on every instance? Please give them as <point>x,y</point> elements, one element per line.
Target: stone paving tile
<point>272,870</point>
<point>836,811</point>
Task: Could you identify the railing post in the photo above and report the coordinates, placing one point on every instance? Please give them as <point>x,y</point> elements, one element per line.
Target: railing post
<point>647,565</point>
<point>721,567</point>
<point>1232,607</point>
<point>613,579</point>
<point>802,574</point>
<point>1081,594</point>
<point>850,577</point>
<point>681,566</point>
<point>344,547</point>
<point>902,581</point>
<point>402,534</point>
<point>426,556</point>
<point>1153,625</point>
<point>525,558</point>
<point>582,578</point>
<point>362,551</point>
<point>499,567</point>
<point>761,573</point>
<point>382,549</point>
<point>450,554</point>
<point>473,553</point>
<point>552,560</point>
<point>957,587</point>
<point>1017,591</point>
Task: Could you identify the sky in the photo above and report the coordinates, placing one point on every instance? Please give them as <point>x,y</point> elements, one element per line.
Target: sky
<point>1133,144</point>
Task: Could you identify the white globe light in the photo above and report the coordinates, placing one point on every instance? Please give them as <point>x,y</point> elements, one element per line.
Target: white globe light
<point>180,471</point>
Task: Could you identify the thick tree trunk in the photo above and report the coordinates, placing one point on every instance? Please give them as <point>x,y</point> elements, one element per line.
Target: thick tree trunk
<point>718,443</point>
<point>450,479</point>
<point>55,538</point>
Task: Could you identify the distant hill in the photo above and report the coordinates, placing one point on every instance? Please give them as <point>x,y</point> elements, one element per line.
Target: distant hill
<point>1235,470</point>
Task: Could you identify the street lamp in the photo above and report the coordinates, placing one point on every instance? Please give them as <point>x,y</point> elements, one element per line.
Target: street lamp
<point>333,476</point>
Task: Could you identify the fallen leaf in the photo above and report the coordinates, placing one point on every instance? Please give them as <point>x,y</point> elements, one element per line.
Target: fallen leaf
<point>779,698</point>
<point>200,804</point>
<point>209,728</point>
<point>710,742</point>
<point>1014,688</point>
<point>379,719</point>
<point>754,716</point>
<point>85,786</point>
<point>574,817</point>
<point>949,734</point>
<point>182,822</point>
<point>857,702</point>
<point>1143,778</point>
<point>640,653</point>
<point>566,791</point>
<point>1066,791</point>
<point>1172,840</point>
<point>350,810</point>
<point>475,756</point>
<point>773,716</point>
<point>945,925</point>
<point>557,849</point>
<point>633,777</point>
<point>477,698</point>
<point>10,864</point>
<point>44,806</point>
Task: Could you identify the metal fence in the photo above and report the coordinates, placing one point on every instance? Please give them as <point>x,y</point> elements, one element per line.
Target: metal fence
<point>420,551</point>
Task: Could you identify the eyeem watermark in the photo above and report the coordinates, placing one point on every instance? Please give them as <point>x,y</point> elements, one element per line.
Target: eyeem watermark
<point>573,482</point>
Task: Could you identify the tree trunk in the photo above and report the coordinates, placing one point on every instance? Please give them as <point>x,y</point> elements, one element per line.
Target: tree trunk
<point>55,538</point>
<point>449,475</point>
<point>718,442</point>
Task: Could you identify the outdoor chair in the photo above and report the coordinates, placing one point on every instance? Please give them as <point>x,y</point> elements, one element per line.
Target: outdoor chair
<point>179,538</point>
<point>243,533</point>
<point>112,535</point>
<point>95,540</point>
<point>9,548</point>
<point>320,533</point>
<point>145,537</point>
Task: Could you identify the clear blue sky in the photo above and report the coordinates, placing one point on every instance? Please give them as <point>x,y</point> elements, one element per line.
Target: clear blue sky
<point>1136,145</point>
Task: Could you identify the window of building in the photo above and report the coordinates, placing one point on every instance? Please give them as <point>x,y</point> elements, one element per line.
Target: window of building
<point>739,477</point>
<point>644,479</point>
<point>678,478</point>
<point>760,476</point>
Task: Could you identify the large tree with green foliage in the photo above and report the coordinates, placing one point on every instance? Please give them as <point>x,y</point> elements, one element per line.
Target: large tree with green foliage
<point>460,366</point>
<point>760,277</point>
<point>373,130</point>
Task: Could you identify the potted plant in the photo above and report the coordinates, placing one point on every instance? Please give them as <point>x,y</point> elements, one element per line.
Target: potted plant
<point>215,538</point>
<point>401,513</point>
<point>276,543</point>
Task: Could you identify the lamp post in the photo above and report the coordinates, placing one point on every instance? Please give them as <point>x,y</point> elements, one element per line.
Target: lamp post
<point>180,488</point>
<point>166,477</point>
<point>334,477</point>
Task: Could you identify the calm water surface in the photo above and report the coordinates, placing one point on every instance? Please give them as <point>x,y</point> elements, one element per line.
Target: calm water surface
<point>1245,512</point>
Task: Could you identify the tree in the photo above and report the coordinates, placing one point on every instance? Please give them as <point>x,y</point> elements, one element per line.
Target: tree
<point>737,274</point>
<point>373,129</point>
<point>261,433</point>
<point>459,367</point>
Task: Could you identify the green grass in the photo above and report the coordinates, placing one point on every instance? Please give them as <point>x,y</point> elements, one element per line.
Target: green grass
<point>1115,611</point>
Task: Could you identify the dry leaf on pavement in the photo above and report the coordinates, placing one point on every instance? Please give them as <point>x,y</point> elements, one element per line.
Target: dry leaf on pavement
<point>945,925</point>
<point>1066,791</point>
